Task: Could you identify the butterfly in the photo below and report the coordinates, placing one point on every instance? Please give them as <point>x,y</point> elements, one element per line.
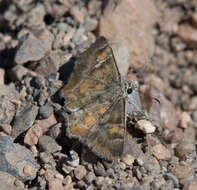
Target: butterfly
<point>99,101</point>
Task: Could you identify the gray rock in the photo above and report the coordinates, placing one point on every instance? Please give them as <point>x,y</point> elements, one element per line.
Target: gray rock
<point>16,160</point>
<point>24,5</point>
<point>18,72</point>
<point>33,47</point>
<point>62,27</point>
<point>36,16</point>
<point>47,65</point>
<point>45,111</point>
<point>7,108</point>
<point>40,96</point>
<point>77,38</point>
<point>46,157</point>
<point>194,116</point>
<point>172,177</point>
<point>90,187</point>
<point>81,185</point>
<point>10,15</point>
<point>48,144</point>
<point>90,24</point>
<point>89,178</point>
<point>58,42</point>
<point>39,82</point>
<point>110,173</point>
<point>151,164</point>
<point>184,149</point>
<point>99,170</point>
<point>55,131</point>
<point>103,182</point>
<point>24,119</point>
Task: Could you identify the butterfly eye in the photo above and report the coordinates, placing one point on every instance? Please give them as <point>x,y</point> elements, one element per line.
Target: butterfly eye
<point>129,90</point>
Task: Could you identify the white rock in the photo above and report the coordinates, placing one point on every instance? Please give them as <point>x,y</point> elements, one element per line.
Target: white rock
<point>146,126</point>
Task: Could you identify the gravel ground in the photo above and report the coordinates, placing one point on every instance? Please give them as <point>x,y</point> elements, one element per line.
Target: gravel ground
<point>156,41</point>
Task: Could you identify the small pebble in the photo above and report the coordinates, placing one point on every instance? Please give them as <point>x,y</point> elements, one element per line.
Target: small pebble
<point>59,176</point>
<point>161,152</point>
<point>28,171</point>
<point>46,157</point>
<point>45,111</point>
<point>128,160</point>
<point>73,160</point>
<point>185,119</point>
<point>89,178</point>
<point>146,126</point>
<point>173,178</point>
<point>80,172</point>
<point>184,149</point>
<point>67,180</point>
<point>48,144</point>
<point>67,169</point>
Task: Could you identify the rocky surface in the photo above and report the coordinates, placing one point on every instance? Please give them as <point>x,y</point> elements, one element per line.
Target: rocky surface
<point>155,39</point>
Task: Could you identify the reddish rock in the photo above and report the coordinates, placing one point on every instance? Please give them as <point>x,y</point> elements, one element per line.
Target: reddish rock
<point>161,152</point>
<point>55,183</point>
<point>67,180</point>
<point>31,137</point>
<point>37,130</point>
<point>80,172</point>
<point>161,111</point>
<point>78,14</point>
<point>130,22</point>
<point>94,6</point>
<point>192,185</point>
<point>155,81</point>
<point>185,119</point>
<point>188,34</point>
<point>181,171</point>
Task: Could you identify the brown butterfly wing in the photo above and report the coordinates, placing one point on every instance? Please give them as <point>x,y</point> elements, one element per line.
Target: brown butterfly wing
<point>95,85</point>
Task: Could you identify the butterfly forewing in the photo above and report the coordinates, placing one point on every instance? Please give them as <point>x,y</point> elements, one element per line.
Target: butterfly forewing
<point>94,97</point>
